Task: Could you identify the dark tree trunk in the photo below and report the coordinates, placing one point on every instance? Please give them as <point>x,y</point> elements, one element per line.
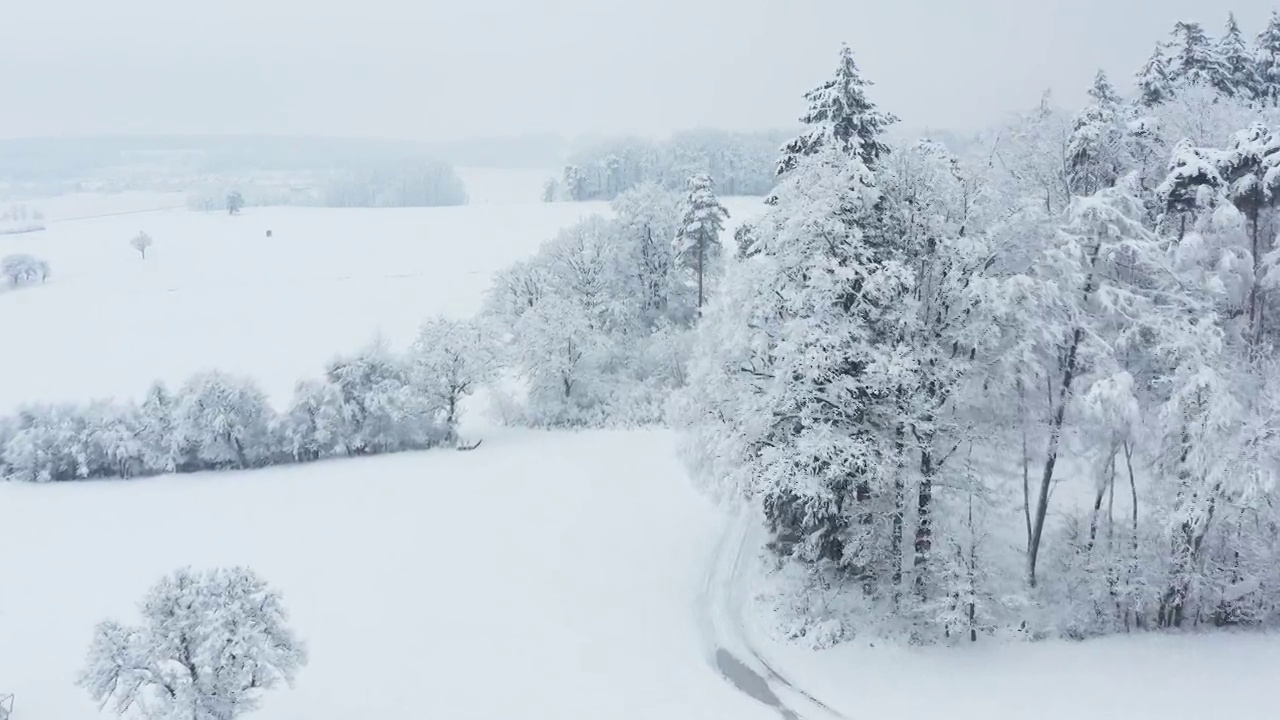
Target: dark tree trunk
<point>701,253</point>
<point>924,524</point>
<point>1055,430</point>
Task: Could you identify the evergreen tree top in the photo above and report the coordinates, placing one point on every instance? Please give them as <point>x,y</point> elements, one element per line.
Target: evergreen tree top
<point>1268,41</point>
<point>840,113</point>
<point>1102,92</point>
<point>1195,60</point>
<point>1239,75</point>
<point>1153,79</point>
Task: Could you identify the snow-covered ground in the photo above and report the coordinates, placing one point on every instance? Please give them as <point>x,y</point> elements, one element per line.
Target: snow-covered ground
<point>215,292</point>
<point>545,575</point>
<point>533,578</point>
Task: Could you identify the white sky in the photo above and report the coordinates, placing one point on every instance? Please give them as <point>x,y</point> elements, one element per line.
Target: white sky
<point>443,69</point>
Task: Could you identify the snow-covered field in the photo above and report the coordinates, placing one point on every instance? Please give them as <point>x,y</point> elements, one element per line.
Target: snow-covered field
<point>545,575</point>
<point>533,578</point>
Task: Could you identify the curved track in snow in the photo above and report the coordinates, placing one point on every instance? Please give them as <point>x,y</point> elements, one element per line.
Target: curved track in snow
<point>726,640</point>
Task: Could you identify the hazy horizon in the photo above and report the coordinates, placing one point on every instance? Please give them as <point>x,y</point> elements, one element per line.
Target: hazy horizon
<point>439,71</point>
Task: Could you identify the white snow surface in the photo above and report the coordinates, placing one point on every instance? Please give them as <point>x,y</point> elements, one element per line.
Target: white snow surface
<point>215,292</point>
<point>535,577</point>
<point>543,575</point>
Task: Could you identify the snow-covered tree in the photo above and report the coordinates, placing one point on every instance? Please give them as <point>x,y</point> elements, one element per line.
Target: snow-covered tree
<point>210,645</point>
<point>791,395</point>
<point>840,116</point>
<point>1195,59</point>
<point>559,353</point>
<point>162,450</point>
<point>1267,60</point>
<point>697,242</point>
<point>1154,85</point>
<point>381,409</point>
<point>448,361</point>
<point>21,269</point>
<point>235,202</point>
<point>1239,70</point>
<point>575,183</point>
<point>647,218</point>
<point>224,419</point>
<point>141,242</point>
<point>45,444</point>
<point>313,427</point>
<point>113,446</point>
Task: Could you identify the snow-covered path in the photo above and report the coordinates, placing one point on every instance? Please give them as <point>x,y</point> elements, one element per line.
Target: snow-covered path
<point>727,643</point>
<point>546,575</point>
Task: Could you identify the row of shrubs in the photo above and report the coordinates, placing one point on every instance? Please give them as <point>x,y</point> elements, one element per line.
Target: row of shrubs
<point>369,403</point>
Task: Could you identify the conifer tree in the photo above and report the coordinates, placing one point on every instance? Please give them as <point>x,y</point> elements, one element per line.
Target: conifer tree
<point>1153,79</point>
<point>1267,60</point>
<point>840,115</point>
<point>1102,92</point>
<point>1195,58</point>
<point>1095,147</point>
<point>1239,75</point>
<point>698,240</point>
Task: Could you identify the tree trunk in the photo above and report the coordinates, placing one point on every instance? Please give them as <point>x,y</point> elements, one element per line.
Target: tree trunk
<point>1108,469</point>
<point>1257,264</point>
<point>701,253</point>
<point>1026,463</point>
<point>924,521</point>
<point>1055,429</point>
<point>899,512</point>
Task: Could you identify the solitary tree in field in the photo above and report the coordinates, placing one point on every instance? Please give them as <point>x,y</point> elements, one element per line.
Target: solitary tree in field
<point>141,242</point>
<point>698,239</point>
<point>235,201</point>
<point>210,643</point>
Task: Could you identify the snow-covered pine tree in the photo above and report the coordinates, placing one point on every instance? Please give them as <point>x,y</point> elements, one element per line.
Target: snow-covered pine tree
<point>1096,147</point>
<point>840,116</point>
<point>791,397</point>
<point>697,242</point>
<point>1266,58</point>
<point>1103,92</point>
<point>1195,59</point>
<point>1239,74</point>
<point>1154,86</point>
<point>162,450</point>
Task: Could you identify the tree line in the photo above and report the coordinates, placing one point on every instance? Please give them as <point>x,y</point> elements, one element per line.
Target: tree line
<point>741,163</point>
<point>1021,386</point>
<point>371,402</point>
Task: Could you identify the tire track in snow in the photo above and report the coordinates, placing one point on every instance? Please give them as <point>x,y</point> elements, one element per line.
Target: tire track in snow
<point>727,643</point>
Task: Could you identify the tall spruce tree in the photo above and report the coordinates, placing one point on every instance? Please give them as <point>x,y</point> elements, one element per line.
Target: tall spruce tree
<point>1102,92</point>
<point>698,244</point>
<point>840,115</point>
<point>1195,58</point>
<point>1095,148</point>
<point>1267,60</point>
<point>1238,76</point>
<point>1153,79</point>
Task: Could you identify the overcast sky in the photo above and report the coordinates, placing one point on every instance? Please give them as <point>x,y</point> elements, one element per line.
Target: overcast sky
<point>445,69</point>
